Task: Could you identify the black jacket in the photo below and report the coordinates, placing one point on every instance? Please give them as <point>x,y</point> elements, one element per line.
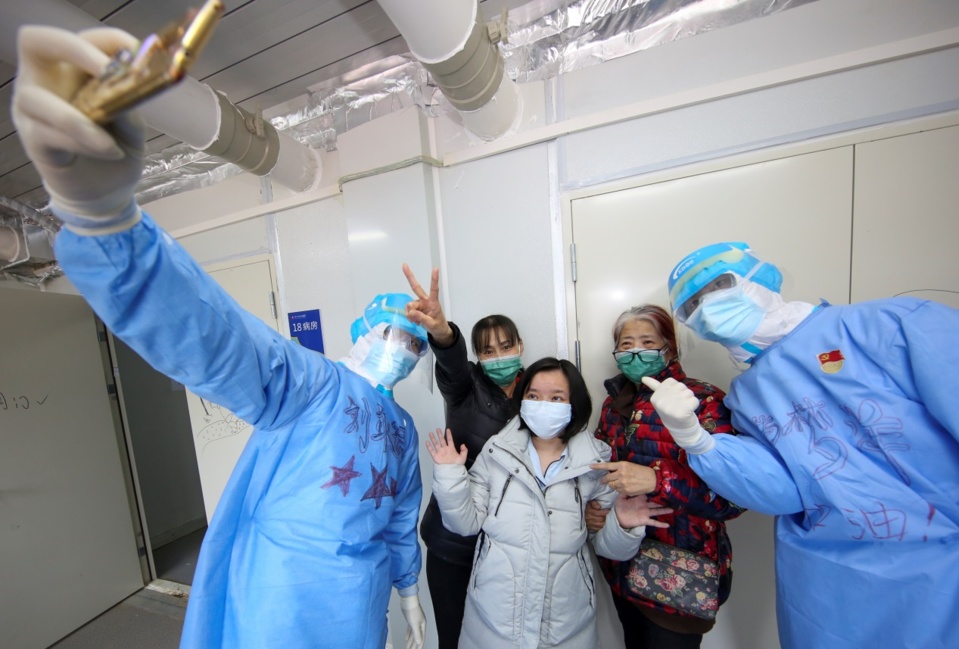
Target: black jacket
<point>476,409</point>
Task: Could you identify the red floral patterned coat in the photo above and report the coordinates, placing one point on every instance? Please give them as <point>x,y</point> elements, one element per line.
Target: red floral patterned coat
<point>631,426</point>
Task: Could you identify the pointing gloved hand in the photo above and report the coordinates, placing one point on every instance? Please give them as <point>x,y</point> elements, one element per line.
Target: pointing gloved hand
<point>676,405</point>
<point>89,171</point>
<point>415,620</point>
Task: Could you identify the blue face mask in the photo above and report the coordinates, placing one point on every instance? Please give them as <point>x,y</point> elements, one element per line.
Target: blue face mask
<point>388,363</point>
<point>547,419</point>
<point>728,317</point>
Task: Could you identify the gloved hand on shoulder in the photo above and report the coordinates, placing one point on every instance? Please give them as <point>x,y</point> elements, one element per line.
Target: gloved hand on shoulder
<point>676,405</point>
<point>89,171</point>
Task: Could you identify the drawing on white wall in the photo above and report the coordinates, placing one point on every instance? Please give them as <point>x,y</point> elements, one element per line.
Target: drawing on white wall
<point>20,401</point>
<point>217,423</point>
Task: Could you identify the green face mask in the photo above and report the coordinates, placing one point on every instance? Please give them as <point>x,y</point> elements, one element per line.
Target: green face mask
<point>637,363</point>
<point>503,370</point>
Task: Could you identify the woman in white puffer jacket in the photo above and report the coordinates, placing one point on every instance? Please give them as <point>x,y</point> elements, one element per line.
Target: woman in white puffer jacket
<point>532,584</point>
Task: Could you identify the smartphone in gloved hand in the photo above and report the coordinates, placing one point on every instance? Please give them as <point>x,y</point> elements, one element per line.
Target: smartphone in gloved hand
<point>162,60</point>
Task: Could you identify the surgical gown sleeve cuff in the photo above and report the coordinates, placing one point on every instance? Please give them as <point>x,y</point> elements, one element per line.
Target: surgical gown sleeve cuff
<point>409,591</point>
<point>702,444</point>
<point>93,226</point>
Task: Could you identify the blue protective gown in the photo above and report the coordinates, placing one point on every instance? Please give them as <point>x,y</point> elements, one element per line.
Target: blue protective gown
<point>853,443</point>
<point>318,519</point>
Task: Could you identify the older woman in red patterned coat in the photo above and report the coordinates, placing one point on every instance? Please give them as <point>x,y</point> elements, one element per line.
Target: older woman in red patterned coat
<point>647,461</point>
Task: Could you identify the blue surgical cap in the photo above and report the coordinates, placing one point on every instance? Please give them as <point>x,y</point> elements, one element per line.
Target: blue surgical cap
<point>699,268</point>
<point>388,308</point>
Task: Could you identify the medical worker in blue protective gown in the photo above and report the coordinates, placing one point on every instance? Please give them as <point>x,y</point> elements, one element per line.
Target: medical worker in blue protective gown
<point>318,520</point>
<point>851,441</point>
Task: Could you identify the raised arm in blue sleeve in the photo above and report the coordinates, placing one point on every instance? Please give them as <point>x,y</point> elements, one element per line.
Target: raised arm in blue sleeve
<point>748,473</point>
<point>152,295</point>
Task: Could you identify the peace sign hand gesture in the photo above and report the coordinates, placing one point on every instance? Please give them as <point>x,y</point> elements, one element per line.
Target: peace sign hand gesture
<point>426,309</point>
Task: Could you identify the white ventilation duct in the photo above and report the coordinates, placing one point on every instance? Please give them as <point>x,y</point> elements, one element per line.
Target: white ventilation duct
<point>449,39</point>
<point>9,246</point>
<point>190,112</point>
<point>26,243</point>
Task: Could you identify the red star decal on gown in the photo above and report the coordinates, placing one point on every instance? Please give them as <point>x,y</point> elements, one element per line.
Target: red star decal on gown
<point>342,476</point>
<point>379,490</point>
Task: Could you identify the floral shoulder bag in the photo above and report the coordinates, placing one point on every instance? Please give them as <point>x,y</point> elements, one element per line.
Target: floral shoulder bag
<point>680,579</point>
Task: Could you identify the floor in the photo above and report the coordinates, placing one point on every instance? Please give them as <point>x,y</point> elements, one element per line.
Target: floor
<point>176,561</point>
<point>151,618</point>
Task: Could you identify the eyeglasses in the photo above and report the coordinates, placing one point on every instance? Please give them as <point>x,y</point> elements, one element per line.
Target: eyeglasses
<point>405,340</point>
<point>724,281</point>
<point>645,355</point>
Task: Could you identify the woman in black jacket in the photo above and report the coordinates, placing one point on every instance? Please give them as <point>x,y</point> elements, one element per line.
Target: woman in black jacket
<point>478,405</point>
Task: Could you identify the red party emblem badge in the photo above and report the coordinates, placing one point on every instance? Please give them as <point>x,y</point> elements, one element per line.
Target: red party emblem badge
<point>831,362</point>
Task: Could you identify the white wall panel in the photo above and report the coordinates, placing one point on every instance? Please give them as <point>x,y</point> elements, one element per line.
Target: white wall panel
<point>314,263</point>
<point>189,208</point>
<point>499,251</point>
<point>398,136</point>
<point>797,111</point>
<point>812,31</point>
<point>389,220</point>
<point>907,217</point>
<point>233,241</point>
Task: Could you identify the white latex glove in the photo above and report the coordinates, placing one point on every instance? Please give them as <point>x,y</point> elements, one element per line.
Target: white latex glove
<point>676,405</point>
<point>89,171</point>
<point>415,620</point>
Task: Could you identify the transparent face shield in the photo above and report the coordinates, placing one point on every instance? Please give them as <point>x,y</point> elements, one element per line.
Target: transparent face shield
<point>400,339</point>
<point>388,355</point>
<point>723,311</point>
<point>687,308</point>
<point>723,282</point>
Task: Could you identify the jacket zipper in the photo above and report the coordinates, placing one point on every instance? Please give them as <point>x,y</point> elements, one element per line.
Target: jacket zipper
<point>509,479</point>
<point>579,503</point>
<point>479,558</point>
<point>586,579</point>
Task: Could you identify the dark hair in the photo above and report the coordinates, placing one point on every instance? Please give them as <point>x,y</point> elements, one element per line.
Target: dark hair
<point>655,315</point>
<point>578,393</point>
<point>485,326</point>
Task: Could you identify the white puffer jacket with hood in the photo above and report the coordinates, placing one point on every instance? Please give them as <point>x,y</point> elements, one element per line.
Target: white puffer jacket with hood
<point>532,584</point>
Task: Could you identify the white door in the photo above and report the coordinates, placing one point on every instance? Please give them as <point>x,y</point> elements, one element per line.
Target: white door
<point>67,547</point>
<point>795,212</point>
<point>218,435</point>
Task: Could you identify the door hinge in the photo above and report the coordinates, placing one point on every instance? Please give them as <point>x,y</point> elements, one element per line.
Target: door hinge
<point>579,365</point>
<point>572,261</point>
<point>273,305</point>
